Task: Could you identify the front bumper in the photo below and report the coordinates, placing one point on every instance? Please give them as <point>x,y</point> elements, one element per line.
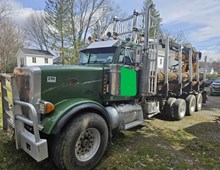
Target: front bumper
<point>29,142</point>
<point>13,118</point>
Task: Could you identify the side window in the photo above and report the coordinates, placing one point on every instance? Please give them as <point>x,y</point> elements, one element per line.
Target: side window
<point>22,62</point>
<point>161,61</point>
<point>46,60</point>
<point>122,55</point>
<point>33,59</point>
<point>132,54</point>
<point>126,56</point>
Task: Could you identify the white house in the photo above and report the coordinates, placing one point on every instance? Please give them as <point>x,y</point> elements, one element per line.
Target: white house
<point>33,57</point>
<point>161,56</point>
<point>210,70</point>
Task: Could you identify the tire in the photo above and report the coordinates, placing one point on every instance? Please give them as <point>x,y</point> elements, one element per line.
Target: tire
<point>190,105</point>
<point>179,109</point>
<point>169,106</point>
<point>81,145</point>
<point>204,97</point>
<point>199,101</point>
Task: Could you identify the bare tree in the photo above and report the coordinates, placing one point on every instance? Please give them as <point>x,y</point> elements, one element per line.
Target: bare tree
<point>180,37</point>
<point>83,18</point>
<point>69,23</point>
<point>10,39</point>
<point>35,31</point>
<point>5,10</point>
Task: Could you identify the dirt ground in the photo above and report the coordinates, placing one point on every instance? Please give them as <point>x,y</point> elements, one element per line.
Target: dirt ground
<point>192,143</point>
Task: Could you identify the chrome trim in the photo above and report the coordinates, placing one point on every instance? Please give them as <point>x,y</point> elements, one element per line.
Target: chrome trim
<point>35,84</point>
<point>27,121</point>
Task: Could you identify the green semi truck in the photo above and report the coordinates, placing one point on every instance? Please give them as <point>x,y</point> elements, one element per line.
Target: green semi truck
<point>68,113</point>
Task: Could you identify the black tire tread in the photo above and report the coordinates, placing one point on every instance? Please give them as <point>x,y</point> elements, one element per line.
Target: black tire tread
<point>59,141</point>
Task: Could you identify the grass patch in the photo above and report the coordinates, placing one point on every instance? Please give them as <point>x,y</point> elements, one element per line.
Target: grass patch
<point>146,148</point>
<point>149,147</point>
<point>0,106</point>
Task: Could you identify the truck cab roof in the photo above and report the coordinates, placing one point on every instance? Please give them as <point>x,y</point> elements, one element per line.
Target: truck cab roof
<point>102,44</point>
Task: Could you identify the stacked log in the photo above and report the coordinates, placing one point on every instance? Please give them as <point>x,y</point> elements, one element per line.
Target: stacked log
<point>173,77</point>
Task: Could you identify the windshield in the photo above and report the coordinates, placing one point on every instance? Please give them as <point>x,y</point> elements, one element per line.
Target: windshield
<point>97,56</point>
<point>217,80</point>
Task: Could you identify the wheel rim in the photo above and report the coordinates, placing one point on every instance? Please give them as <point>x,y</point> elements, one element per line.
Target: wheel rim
<point>199,102</point>
<point>193,106</point>
<point>182,110</point>
<point>87,144</point>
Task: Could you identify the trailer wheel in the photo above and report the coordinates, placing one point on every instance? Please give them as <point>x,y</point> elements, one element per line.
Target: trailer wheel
<point>82,143</point>
<point>190,104</point>
<point>199,102</point>
<point>169,106</point>
<point>179,109</point>
<point>204,97</point>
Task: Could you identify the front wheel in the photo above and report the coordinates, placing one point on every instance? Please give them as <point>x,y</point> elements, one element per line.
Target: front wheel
<point>82,143</point>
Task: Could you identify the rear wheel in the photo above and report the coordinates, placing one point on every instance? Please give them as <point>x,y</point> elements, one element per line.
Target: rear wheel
<point>199,102</point>
<point>179,109</point>
<point>82,143</point>
<point>204,96</point>
<point>190,104</point>
<point>169,106</point>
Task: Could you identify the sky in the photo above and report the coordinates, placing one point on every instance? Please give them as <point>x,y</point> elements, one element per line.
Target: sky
<point>198,19</point>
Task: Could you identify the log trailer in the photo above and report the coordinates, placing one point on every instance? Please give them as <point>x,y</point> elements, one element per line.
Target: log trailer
<point>68,113</point>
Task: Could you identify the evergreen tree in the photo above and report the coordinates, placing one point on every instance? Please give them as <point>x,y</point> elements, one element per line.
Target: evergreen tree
<point>57,16</point>
<point>155,14</point>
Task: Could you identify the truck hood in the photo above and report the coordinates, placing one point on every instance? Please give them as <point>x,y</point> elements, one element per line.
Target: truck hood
<point>60,83</point>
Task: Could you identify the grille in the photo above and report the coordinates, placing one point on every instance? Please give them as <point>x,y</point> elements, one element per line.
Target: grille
<point>23,87</point>
<point>23,83</point>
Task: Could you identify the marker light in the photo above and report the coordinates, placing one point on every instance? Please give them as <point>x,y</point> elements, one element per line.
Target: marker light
<point>46,107</point>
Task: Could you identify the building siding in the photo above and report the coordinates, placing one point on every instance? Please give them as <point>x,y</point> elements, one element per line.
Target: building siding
<point>39,61</point>
<point>27,59</point>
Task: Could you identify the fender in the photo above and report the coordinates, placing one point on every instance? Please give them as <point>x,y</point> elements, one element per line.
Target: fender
<point>66,109</point>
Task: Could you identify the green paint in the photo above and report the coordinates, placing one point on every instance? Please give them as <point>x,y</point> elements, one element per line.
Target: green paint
<point>71,82</point>
<point>128,82</point>
<point>61,108</point>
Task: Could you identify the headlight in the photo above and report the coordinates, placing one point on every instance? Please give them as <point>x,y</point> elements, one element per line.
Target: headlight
<point>46,107</point>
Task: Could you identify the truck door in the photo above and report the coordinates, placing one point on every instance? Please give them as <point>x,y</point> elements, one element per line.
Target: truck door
<point>128,81</point>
